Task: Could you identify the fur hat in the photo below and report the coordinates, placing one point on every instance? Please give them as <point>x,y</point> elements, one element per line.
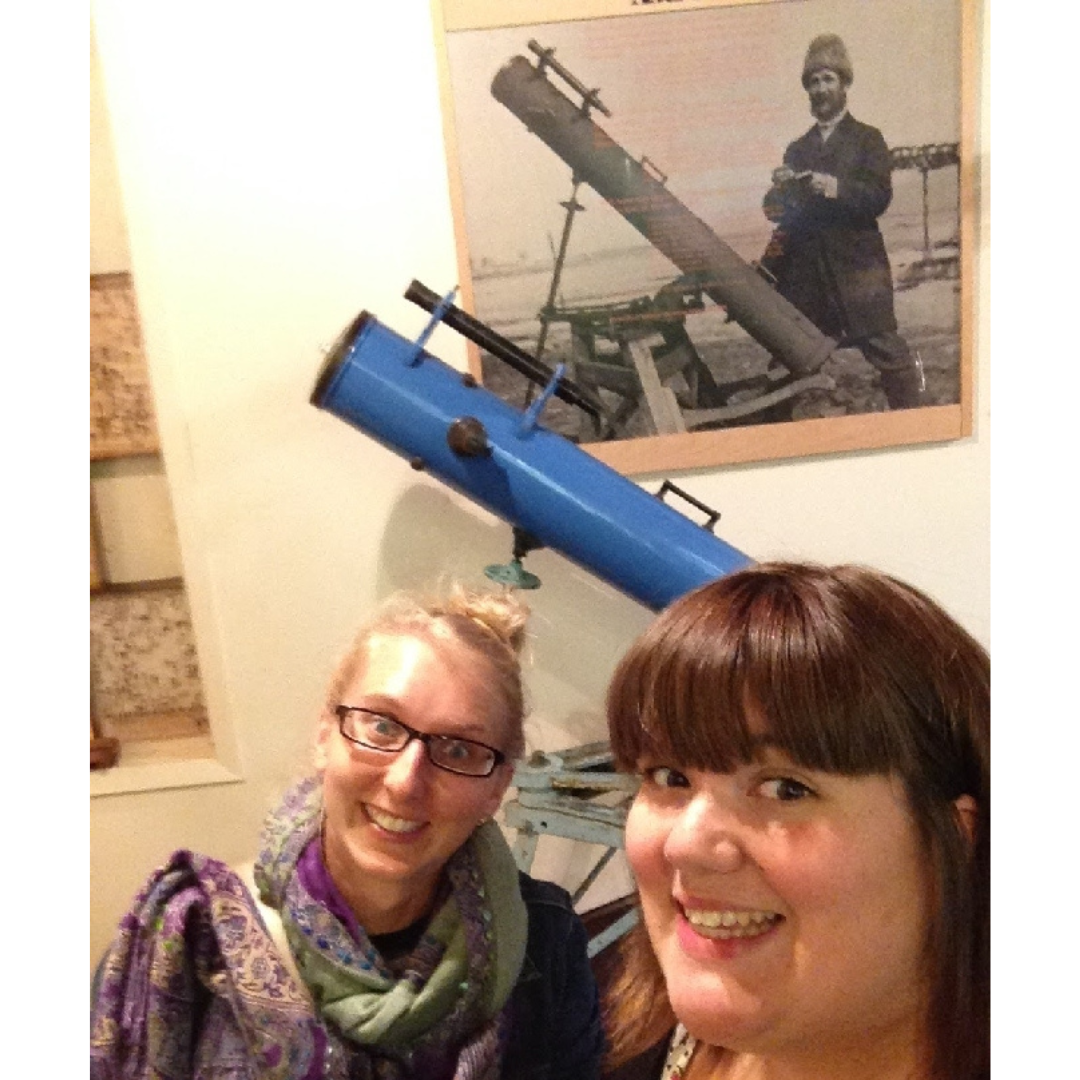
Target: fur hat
<point>827,51</point>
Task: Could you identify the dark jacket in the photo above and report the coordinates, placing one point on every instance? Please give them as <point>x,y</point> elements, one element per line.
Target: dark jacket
<point>556,1032</point>
<point>828,255</point>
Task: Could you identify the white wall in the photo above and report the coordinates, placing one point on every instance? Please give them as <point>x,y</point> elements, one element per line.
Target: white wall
<point>108,230</point>
<point>282,168</point>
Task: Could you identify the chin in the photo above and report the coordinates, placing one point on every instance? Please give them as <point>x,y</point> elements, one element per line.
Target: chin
<point>718,1014</point>
<point>740,1033</point>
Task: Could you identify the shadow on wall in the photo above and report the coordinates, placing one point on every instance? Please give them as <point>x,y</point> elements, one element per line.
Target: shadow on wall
<point>579,628</point>
<point>580,625</point>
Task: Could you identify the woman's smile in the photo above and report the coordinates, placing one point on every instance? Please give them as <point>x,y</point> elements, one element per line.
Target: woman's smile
<point>717,936</point>
<point>399,826</point>
<point>725,924</point>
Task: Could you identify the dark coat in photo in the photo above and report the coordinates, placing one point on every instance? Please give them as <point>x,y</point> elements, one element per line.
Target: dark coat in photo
<point>827,255</point>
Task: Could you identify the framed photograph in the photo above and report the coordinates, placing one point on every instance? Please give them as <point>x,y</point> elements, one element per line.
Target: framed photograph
<point>740,231</point>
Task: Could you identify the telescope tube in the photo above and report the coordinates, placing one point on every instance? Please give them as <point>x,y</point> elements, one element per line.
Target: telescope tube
<point>661,218</point>
<point>477,444</point>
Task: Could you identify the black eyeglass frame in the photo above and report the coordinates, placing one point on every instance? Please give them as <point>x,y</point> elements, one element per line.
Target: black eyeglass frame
<point>342,711</point>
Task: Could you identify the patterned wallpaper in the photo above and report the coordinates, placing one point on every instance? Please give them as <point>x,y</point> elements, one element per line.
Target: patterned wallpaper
<point>142,655</point>
<point>121,406</point>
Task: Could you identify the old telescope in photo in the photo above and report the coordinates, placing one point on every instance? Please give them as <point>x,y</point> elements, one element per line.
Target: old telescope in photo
<point>639,193</point>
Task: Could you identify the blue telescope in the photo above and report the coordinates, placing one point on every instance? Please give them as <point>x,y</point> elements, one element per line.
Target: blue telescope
<point>553,493</point>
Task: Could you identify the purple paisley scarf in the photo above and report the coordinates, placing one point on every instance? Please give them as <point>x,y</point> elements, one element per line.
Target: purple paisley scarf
<point>193,968</point>
<point>194,987</point>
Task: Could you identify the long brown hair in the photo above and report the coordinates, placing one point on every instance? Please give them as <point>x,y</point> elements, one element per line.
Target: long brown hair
<point>853,672</point>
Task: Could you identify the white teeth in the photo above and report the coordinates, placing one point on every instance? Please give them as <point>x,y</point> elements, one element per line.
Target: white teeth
<point>732,924</point>
<point>391,823</point>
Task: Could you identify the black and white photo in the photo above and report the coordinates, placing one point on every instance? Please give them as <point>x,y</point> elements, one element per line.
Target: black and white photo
<point>744,228</point>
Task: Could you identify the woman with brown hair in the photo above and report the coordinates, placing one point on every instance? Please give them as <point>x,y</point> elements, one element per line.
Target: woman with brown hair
<point>811,839</point>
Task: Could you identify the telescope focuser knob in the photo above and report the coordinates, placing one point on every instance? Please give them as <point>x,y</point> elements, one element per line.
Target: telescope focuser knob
<point>467,437</point>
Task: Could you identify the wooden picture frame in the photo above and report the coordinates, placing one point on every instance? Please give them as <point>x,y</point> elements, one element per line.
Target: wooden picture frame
<point>97,571</point>
<point>699,99</point>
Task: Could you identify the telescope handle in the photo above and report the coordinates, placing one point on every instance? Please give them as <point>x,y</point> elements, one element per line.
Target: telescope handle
<point>590,98</point>
<point>712,515</point>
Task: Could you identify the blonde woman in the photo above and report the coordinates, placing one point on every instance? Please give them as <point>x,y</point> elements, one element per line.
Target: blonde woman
<point>393,936</point>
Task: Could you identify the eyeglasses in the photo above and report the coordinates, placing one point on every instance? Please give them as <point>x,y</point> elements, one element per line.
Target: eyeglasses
<point>376,731</point>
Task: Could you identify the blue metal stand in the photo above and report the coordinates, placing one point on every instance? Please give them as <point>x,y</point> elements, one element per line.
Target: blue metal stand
<point>557,795</point>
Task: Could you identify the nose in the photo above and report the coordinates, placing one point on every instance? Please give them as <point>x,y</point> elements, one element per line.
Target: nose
<point>407,770</point>
<point>706,837</point>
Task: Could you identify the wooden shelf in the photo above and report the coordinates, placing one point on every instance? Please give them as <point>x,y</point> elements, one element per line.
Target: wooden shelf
<point>104,753</point>
<point>152,726</point>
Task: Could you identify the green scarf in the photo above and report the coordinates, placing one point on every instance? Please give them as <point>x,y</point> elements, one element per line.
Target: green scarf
<point>456,981</point>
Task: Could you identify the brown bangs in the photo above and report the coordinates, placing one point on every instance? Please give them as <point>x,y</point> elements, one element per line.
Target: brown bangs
<point>849,671</point>
<point>762,657</point>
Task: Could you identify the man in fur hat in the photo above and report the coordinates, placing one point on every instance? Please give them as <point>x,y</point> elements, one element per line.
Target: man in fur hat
<point>827,254</point>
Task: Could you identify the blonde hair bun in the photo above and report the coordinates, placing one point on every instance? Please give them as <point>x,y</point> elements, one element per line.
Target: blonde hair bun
<point>500,612</point>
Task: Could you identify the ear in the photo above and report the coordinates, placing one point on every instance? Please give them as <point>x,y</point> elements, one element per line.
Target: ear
<point>499,783</point>
<point>967,814</point>
<point>321,749</point>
